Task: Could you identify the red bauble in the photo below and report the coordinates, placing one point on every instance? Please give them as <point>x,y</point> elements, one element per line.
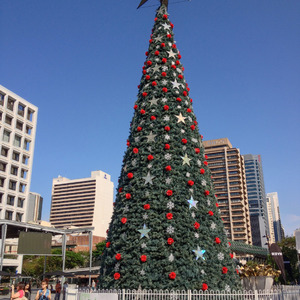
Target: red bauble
<point>120,190</point>
<point>170,241</point>
<point>167,146</point>
<point>147,77</point>
<point>189,110</point>
<point>117,276</point>
<point>178,99</point>
<point>202,171</point>
<point>184,93</point>
<point>224,270</point>
<point>210,213</point>
<point>184,141</point>
<point>167,128</point>
<point>107,244</point>
<point>174,46</point>
<point>229,244</point>
<point>163,45</point>
<point>180,76</point>
<point>130,175</point>
<point>128,143</point>
<point>172,25</point>
<point>149,62</point>
<point>179,56</point>
<point>177,62</point>
<point>123,220</point>
<point>164,89</point>
<point>144,94</point>
<point>193,127</point>
<point>142,111</point>
<point>152,118</point>
<point>169,192</point>
<point>197,150</point>
<point>155,19</point>
<point>135,107</point>
<point>144,72</point>
<point>139,128</point>
<point>206,193</point>
<point>143,258</point>
<point>173,67</point>
<point>165,17</point>
<point>217,204</point>
<point>146,53</point>
<point>168,168</point>
<point>118,256</point>
<point>154,83</point>
<point>150,41</point>
<point>166,107</point>
<point>169,216</point>
<point>163,74</point>
<point>169,36</point>
<point>150,157</point>
<point>128,196</point>
<point>231,255</point>
<point>164,60</point>
<point>191,182</point>
<point>217,240</point>
<point>172,275</point>
<point>204,287</point>
<point>205,162</point>
<point>156,53</point>
<point>196,225</point>
<point>147,206</point>
<point>206,157</point>
<point>195,122</point>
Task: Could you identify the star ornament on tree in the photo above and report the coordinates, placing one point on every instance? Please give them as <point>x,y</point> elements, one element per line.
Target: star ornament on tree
<point>192,202</point>
<point>144,232</point>
<point>199,253</point>
<point>186,160</point>
<point>148,178</point>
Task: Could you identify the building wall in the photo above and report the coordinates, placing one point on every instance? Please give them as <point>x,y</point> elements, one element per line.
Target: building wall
<point>34,208</point>
<point>18,119</point>
<point>83,202</point>
<point>257,199</point>
<point>270,222</point>
<point>227,168</point>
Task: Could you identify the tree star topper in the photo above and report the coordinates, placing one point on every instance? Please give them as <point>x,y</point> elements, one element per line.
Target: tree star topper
<point>165,2</point>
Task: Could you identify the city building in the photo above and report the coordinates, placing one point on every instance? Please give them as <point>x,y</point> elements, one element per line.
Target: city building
<point>270,222</point>
<point>297,237</point>
<point>34,208</point>
<point>83,202</point>
<point>227,168</point>
<point>18,119</point>
<point>276,226</point>
<point>257,199</point>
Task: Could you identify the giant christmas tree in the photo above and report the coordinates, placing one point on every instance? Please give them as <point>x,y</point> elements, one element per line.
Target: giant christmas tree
<point>166,231</point>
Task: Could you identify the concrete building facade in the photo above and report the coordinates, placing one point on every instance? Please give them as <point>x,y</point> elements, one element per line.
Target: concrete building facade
<point>18,119</point>
<point>34,208</point>
<point>270,222</point>
<point>227,168</point>
<point>83,202</point>
<point>274,216</point>
<point>257,199</point>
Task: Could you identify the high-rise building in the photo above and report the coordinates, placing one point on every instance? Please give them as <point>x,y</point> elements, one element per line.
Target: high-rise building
<point>270,222</point>
<point>83,202</point>
<point>18,119</point>
<point>257,199</point>
<point>272,199</point>
<point>34,208</point>
<point>227,168</point>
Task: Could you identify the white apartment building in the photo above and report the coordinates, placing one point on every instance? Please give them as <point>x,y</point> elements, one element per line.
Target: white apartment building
<point>83,202</point>
<point>34,208</point>
<point>18,119</point>
<point>270,222</point>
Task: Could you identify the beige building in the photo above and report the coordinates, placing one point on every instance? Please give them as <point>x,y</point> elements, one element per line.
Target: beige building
<point>227,167</point>
<point>83,202</point>
<point>270,222</point>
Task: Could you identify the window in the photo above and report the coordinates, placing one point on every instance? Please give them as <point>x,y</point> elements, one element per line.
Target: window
<point>8,215</point>
<point>2,99</point>
<point>19,125</point>
<point>6,136</point>
<point>16,156</point>
<point>22,187</point>
<point>4,151</point>
<point>19,217</point>
<point>12,185</point>
<point>21,110</point>
<point>17,141</point>
<point>14,170</point>
<point>1,196</point>
<point>28,130</point>
<point>3,166</point>
<point>30,114</point>
<point>10,103</point>
<point>25,160</point>
<point>21,202</point>
<point>2,180</point>
<point>26,145</point>
<point>0,115</point>
<point>10,200</point>
<point>24,173</point>
<point>8,120</point>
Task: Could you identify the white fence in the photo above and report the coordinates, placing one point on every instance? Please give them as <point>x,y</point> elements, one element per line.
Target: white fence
<point>282,293</point>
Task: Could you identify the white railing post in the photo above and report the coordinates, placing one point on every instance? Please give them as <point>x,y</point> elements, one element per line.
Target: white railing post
<point>189,295</point>
<point>255,295</point>
<point>123,294</point>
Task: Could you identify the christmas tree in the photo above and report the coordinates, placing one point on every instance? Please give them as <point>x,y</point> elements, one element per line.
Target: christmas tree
<point>166,231</point>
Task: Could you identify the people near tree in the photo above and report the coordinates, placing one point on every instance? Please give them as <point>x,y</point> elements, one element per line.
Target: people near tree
<point>65,286</point>
<point>93,284</point>
<point>57,290</point>
<point>28,290</point>
<point>20,291</point>
<point>43,293</point>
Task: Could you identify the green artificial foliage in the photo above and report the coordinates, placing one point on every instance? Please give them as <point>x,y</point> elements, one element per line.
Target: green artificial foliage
<point>164,167</point>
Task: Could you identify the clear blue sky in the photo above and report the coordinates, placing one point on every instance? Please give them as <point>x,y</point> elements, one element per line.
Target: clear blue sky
<point>80,62</point>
